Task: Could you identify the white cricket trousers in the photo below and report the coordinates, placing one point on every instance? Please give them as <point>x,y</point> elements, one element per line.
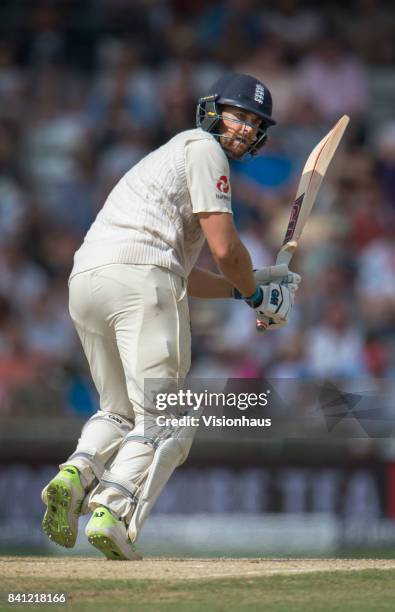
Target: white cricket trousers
<point>133,323</point>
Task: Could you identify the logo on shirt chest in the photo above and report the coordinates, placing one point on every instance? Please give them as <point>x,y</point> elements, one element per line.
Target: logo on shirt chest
<point>223,184</point>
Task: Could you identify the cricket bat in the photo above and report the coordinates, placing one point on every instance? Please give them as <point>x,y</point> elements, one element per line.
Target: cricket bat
<point>313,173</point>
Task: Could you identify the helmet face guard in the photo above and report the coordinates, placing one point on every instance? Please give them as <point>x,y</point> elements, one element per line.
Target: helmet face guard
<point>208,117</point>
<point>243,92</point>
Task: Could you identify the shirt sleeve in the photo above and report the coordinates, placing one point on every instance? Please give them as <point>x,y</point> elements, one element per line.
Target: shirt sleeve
<point>207,171</point>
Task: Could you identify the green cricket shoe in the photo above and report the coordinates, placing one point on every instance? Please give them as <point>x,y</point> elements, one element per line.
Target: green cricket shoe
<point>63,497</point>
<point>109,535</point>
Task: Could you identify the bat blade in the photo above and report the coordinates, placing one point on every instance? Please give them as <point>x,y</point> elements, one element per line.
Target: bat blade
<point>313,173</point>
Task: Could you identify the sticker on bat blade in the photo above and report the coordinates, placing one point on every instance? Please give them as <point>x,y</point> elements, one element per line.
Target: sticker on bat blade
<point>295,210</point>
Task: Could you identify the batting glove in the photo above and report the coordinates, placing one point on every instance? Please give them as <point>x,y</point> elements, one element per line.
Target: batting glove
<point>276,274</point>
<point>268,274</point>
<point>277,303</point>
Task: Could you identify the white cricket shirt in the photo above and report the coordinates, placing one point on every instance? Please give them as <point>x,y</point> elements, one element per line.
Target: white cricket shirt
<point>150,215</point>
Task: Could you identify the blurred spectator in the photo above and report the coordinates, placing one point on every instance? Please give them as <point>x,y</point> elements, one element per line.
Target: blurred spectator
<point>73,205</point>
<point>18,367</point>
<point>49,332</point>
<point>377,357</point>
<point>334,346</point>
<point>21,279</point>
<point>123,89</point>
<point>45,43</point>
<point>13,208</point>
<point>386,163</point>
<point>371,27</point>
<point>296,24</point>
<point>56,250</point>
<point>81,396</point>
<point>12,81</point>
<point>55,131</point>
<point>291,360</point>
<point>376,284</point>
<point>177,100</point>
<point>229,30</point>
<point>333,79</point>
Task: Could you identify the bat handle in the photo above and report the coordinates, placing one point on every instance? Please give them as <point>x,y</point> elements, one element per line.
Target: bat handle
<point>284,257</point>
<point>262,324</point>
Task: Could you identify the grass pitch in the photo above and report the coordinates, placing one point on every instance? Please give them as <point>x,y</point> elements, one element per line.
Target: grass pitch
<point>175,585</point>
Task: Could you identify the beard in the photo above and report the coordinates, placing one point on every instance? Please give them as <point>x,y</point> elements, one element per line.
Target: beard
<point>235,145</point>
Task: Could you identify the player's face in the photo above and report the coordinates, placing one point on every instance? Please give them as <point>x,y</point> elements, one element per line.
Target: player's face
<point>239,130</point>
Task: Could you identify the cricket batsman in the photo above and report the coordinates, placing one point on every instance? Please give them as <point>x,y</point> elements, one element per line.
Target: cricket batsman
<point>129,292</point>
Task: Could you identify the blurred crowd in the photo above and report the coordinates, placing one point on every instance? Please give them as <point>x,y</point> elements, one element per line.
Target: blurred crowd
<point>88,87</point>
